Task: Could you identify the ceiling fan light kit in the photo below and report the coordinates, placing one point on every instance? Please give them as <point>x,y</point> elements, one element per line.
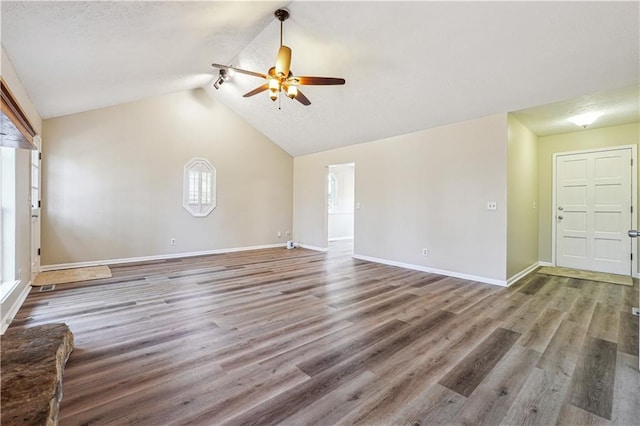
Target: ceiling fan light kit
<point>292,92</point>
<point>274,88</point>
<point>280,77</point>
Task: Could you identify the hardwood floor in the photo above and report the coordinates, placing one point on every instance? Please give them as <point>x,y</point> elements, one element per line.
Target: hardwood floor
<point>299,337</point>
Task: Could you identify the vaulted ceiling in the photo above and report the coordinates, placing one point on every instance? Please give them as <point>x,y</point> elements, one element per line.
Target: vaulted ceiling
<point>408,65</point>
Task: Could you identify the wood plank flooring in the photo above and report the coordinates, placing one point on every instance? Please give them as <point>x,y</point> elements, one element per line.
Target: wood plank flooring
<point>298,337</point>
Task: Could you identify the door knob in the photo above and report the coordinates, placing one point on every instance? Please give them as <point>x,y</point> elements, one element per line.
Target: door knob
<point>633,233</point>
<point>560,217</point>
<point>560,208</point>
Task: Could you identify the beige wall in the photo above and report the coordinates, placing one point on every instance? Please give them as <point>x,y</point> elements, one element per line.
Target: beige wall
<point>23,183</point>
<point>427,189</point>
<point>522,198</point>
<point>628,134</point>
<point>112,181</point>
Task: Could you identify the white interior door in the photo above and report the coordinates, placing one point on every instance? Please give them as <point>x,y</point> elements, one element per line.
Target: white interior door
<point>35,208</point>
<point>594,211</point>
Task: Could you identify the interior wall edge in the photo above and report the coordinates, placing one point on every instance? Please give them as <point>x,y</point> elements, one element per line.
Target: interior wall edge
<point>516,277</point>
<point>9,312</point>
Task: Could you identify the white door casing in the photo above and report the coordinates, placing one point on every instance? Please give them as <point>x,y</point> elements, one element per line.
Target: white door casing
<point>593,210</point>
<point>35,207</point>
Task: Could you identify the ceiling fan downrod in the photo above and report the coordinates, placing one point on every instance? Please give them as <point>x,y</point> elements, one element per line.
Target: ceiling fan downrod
<point>282,15</point>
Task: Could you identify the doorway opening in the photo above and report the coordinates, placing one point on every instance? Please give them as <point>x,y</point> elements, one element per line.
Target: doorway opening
<point>340,207</point>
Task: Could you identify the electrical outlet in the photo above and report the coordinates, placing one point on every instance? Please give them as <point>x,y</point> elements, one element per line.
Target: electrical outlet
<point>172,242</point>
<point>279,234</point>
<point>288,234</point>
<point>425,252</point>
<point>492,205</point>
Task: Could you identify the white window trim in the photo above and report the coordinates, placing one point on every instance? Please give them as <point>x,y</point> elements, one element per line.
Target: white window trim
<point>206,194</point>
<point>8,215</point>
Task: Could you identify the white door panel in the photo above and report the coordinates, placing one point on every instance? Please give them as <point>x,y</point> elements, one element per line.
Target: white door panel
<point>593,201</point>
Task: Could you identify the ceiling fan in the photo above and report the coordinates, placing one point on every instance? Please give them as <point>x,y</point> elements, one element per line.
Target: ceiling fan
<point>281,78</point>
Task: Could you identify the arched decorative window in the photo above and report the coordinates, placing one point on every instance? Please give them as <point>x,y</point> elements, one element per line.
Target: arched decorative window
<point>199,193</point>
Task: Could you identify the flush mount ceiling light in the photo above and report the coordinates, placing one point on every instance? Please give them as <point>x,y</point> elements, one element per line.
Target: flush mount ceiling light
<point>280,78</point>
<point>584,120</point>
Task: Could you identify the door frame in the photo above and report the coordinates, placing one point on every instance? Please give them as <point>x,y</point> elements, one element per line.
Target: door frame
<point>634,199</point>
<point>327,169</point>
<point>36,212</point>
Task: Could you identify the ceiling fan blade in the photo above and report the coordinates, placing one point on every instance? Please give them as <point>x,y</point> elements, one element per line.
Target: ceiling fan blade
<point>283,61</point>
<point>317,81</point>
<point>256,90</point>
<point>300,97</point>
<point>240,70</point>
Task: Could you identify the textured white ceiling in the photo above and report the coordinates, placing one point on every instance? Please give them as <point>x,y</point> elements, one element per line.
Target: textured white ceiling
<point>408,65</point>
<point>76,56</point>
<point>620,106</point>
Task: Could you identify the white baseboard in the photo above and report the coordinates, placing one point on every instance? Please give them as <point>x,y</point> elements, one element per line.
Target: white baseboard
<point>157,257</point>
<point>341,238</point>
<point>453,274</point>
<point>7,288</point>
<point>10,313</point>
<point>307,246</point>
<point>522,273</point>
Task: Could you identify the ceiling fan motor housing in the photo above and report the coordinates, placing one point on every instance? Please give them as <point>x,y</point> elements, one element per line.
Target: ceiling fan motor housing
<point>283,60</point>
